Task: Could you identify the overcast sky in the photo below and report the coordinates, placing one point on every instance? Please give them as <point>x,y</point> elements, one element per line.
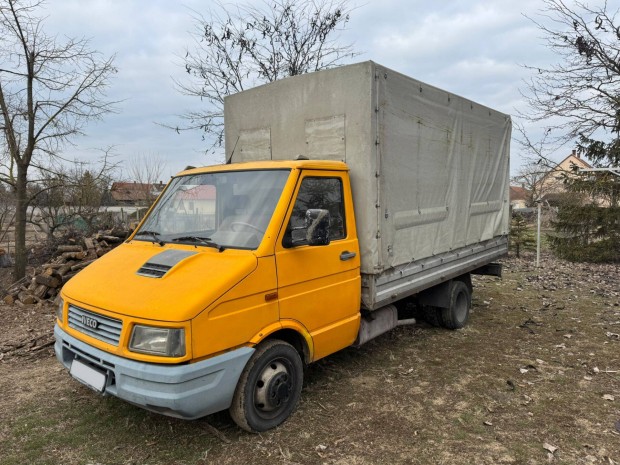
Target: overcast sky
<point>474,48</point>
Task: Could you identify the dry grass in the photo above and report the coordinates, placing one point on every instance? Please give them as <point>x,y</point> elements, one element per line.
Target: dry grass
<point>536,365</point>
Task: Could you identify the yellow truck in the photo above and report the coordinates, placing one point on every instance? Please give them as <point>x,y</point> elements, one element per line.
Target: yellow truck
<point>345,193</point>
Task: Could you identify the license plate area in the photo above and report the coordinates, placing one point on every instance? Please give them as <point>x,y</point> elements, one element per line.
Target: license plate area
<point>91,377</point>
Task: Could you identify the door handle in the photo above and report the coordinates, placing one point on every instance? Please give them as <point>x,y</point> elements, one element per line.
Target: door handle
<point>346,255</point>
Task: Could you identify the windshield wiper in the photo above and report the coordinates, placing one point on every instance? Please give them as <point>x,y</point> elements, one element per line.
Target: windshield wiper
<point>154,235</point>
<point>201,240</point>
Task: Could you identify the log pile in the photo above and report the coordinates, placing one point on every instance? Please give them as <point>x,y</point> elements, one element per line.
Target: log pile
<point>67,261</point>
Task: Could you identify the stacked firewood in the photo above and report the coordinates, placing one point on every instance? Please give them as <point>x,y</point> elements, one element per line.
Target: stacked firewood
<point>67,261</point>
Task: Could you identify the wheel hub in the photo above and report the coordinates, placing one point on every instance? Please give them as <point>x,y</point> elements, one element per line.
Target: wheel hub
<point>461,307</point>
<point>273,388</point>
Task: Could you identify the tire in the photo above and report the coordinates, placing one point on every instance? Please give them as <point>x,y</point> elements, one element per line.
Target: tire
<point>269,387</point>
<point>457,314</point>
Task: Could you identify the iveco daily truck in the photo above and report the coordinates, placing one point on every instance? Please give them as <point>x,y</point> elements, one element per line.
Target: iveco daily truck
<point>344,192</point>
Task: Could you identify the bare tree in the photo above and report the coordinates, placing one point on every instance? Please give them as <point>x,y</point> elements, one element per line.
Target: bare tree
<point>531,176</point>
<point>251,44</point>
<point>7,212</point>
<point>577,96</point>
<point>146,170</point>
<point>49,90</point>
<point>578,99</point>
<point>70,196</point>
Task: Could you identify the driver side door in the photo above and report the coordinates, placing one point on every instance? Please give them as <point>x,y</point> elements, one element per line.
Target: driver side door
<point>319,286</point>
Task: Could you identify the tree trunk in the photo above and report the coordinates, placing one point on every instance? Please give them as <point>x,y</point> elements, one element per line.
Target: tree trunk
<point>19,268</point>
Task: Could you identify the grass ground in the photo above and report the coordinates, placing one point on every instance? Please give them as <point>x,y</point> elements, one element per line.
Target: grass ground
<point>534,378</point>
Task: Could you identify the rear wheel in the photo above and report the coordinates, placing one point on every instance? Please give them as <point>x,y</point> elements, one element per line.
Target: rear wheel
<point>269,388</point>
<point>457,314</point>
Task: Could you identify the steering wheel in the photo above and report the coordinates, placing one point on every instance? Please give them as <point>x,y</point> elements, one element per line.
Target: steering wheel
<point>234,224</point>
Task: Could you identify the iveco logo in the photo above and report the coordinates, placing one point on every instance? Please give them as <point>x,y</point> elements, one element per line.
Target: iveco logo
<point>89,322</point>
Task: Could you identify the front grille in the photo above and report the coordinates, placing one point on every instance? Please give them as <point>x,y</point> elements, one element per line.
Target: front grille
<point>153,270</point>
<point>107,329</point>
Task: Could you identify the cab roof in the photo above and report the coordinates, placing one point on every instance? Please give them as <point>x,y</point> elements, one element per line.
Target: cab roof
<point>327,165</point>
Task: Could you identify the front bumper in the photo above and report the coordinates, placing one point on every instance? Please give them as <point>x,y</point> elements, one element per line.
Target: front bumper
<point>183,391</point>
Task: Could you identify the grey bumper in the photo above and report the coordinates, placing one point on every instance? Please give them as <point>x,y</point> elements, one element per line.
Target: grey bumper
<point>184,391</point>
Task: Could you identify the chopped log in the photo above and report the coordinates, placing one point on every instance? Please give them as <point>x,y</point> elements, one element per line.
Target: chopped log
<point>49,281</point>
<point>68,276</point>
<point>26,298</point>
<point>90,248</point>
<point>64,269</point>
<point>9,299</point>
<point>40,291</point>
<point>52,265</point>
<point>119,232</point>
<point>89,243</point>
<point>74,255</point>
<point>79,266</point>
<point>50,272</point>
<point>52,293</point>
<point>101,251</point>
<point>112,239</point>
<point>103,243</point>
<point>68,248</point>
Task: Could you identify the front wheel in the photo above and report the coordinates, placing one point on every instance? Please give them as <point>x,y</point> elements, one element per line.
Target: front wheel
<point>269,388</point>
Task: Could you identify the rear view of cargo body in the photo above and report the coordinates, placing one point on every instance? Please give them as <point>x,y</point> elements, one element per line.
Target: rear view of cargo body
<point>429,169</point>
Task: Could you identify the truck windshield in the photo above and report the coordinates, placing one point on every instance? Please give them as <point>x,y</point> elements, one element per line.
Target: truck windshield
<point>224,210</point>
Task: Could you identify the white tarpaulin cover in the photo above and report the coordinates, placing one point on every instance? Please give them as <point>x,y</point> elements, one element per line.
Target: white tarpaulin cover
<point>429,169</point>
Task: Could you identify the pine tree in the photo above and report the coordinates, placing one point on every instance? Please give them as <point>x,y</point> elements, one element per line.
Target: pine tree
<point>521,236</point>
<point>587,227</point>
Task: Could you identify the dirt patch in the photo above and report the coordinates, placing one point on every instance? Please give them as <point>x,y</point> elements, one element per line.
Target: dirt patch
<point>533,379</point>
<point>26,330</point>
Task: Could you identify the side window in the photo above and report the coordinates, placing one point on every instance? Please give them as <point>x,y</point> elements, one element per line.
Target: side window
<point>324,193</point>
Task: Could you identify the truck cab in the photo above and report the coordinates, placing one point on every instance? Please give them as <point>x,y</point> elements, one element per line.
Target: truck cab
<point>237,276</point>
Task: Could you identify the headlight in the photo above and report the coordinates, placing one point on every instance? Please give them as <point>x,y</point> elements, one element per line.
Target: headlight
<point>166,342</point>
<point>60,309</point>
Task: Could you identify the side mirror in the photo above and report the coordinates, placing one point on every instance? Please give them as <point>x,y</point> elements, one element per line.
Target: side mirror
<point>317,226</point>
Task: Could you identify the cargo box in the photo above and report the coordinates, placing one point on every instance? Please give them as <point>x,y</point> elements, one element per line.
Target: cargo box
<point>429,169</point>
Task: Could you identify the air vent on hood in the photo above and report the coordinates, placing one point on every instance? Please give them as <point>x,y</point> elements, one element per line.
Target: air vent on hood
<point>161,263</point>
<point>153,270</point>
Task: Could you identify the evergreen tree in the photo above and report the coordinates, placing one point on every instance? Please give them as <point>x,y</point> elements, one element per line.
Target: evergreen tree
<point>587,226</point>
<point>521,236</point>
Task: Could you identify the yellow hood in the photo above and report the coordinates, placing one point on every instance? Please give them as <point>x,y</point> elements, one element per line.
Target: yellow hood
<point>188,280</point>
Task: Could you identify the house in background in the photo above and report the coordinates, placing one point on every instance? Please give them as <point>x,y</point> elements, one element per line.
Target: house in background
<point>551,185</point>
<point>135,194</point>
<point>519,197</point>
